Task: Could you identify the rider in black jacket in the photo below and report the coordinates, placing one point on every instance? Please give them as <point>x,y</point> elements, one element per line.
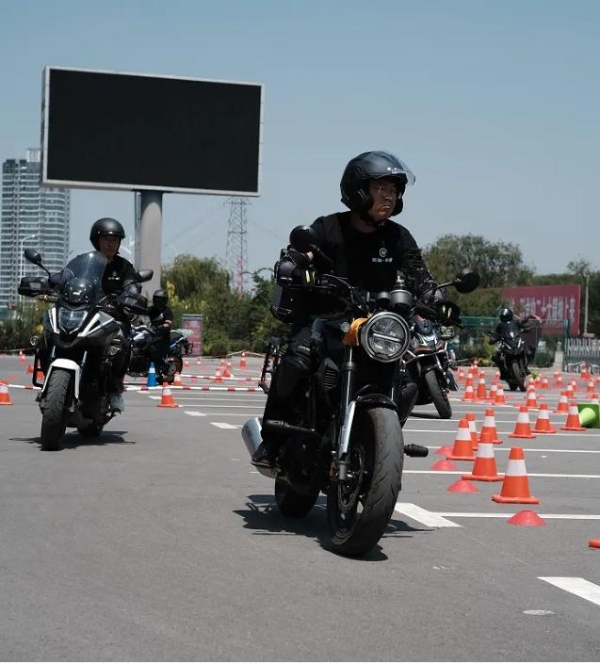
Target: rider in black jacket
<point>366,247</point>
<point>119,276</point>
<point>161,321</point>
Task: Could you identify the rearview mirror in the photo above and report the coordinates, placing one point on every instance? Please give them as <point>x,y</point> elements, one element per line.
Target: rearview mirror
<point>31,255</point>
<point>466,281</point>
<point>302,238</point>
<point>145,275</point>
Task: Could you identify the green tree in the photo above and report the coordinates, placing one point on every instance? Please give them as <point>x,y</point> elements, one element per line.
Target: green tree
<point>498,264</point>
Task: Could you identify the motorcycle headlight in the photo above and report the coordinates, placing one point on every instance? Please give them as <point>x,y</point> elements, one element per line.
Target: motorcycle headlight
<point>385,337</point>
<point>69,320</point>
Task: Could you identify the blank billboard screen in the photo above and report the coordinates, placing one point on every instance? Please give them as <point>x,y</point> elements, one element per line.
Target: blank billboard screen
<point>131,131</point>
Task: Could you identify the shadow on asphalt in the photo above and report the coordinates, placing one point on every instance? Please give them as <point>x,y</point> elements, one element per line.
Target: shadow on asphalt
<point>263,516</point>
<point>72,440</point>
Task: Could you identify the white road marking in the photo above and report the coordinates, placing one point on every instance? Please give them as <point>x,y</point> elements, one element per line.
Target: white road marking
<point>530,474</point>
<point>544,516</point>
<point>427,518</point>
<point>500,433</point>
<point>534,449</point>
<point>579,586</point>
<point>225,426</point>
<point>194,413</point>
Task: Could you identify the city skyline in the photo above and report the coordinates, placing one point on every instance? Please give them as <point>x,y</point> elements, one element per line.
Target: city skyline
<point>34,217</point>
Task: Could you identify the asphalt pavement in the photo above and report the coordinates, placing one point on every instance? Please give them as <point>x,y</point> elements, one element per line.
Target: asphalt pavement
<point>159,541</point>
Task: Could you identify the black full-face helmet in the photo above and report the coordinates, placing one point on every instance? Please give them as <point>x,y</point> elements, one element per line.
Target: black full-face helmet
<point>160,299</point>
<point>506,315</point>
<point>368,166</point>
<point>105,226</point>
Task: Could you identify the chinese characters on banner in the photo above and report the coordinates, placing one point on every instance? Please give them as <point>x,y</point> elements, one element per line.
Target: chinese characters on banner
<point>551,303</point>
<point>194,325</point>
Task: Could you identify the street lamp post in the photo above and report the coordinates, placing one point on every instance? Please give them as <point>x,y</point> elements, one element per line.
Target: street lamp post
<point>585,305</point>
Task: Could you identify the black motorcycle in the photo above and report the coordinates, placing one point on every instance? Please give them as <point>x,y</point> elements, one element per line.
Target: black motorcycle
<point>143,338</point>
<point>344,437</point>
<point>428,362</point>
<point>512,353</point>
<point>80,339</point>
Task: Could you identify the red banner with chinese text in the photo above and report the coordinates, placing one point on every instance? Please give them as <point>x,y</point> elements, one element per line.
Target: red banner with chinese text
<point>551,303</point>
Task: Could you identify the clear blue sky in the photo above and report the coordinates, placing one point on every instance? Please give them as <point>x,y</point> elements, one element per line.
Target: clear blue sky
<point>494,105</point>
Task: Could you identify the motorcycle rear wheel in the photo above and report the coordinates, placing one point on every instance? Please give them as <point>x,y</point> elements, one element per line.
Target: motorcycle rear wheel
<point>438,395</point>
<point>359,509</point>
<point>54,414</point>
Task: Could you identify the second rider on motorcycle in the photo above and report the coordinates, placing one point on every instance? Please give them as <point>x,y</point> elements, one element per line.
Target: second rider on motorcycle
<point>161,320</point>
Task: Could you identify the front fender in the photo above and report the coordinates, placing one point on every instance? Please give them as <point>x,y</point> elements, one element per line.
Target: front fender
<point>368,401</point>
<point>66,365</point>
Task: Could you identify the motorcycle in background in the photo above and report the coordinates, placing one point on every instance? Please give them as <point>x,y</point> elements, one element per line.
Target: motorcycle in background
<point>512,354</point>
<point>143,338</point>
<point>81,337</point>
<point>429,364</point>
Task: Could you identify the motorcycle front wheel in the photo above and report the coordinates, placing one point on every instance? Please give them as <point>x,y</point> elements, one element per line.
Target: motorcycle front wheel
<point>54,413</point>
<point>359,508</point>
<point>518,376</point>
<point>438,395</point>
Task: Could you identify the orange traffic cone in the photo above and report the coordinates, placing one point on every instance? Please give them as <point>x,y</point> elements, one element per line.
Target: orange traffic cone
<point>484,468</point>
<point>227,370</point>
<point>573,423</point>
<point>29,368</point>
<point>563,404</point>
<point>469,392</point>
<point>22,358</point>
<point>545,383</point>
<point>167,397</point>
<point>218,377</point>
<point>531,402</point>
<point>515,488</point>
<point>243,361</point>
<point>177,379</point>
<point>481,394</point>
<point>472,429</point>
<point>542,424</point>
<point>489,426</point>
<point>523,427</point>
<point>4,394</point>
<point>463,447</point>
<point>591,389</point>
<point>493,391</point>
<point>500,398</point>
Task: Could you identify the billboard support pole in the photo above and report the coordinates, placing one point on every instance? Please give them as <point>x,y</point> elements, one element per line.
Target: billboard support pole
<point>150,236</point>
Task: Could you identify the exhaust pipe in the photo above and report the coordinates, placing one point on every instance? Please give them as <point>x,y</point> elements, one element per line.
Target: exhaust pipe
<point>251,434</point>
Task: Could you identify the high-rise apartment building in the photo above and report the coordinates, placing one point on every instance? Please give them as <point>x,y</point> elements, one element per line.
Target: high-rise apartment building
<point>32,217</point>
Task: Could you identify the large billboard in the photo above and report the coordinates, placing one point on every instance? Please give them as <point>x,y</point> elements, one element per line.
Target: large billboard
<point>116,130</point>
<point>553,304</point>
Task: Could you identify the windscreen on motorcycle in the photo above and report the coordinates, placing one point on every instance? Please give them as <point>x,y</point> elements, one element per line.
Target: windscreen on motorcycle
<point>510,330</point>
<point>81,279</point>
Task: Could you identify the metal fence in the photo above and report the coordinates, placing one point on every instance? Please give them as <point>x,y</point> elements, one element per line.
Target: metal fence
<point>580,351</point>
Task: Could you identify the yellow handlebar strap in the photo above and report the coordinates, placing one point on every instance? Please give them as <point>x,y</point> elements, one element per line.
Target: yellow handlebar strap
<point>351,336</point>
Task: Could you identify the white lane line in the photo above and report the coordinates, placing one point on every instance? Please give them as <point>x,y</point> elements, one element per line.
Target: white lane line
<point>548,516</point>
<point>427,518</point>
<point>534,449</point>
<point>529,474</point>
<point>579,586</point>
<point>224,426</point>
<point>193,413</point>
<point>555,435</point>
